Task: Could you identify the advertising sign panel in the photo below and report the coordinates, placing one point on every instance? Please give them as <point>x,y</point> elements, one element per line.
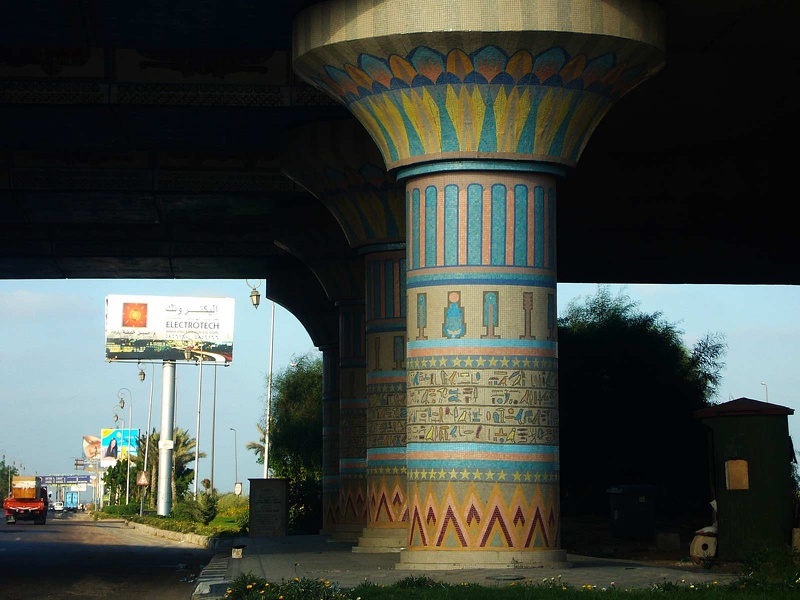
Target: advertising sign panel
<point>117,445</point>
<point>169,328</point>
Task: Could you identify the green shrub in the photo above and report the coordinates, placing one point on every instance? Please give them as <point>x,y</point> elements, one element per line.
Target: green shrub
<point>122,510</point>
<point>243,520</point>
<point>208,507</point>
<point>230,504</point>
<point>187,510</point>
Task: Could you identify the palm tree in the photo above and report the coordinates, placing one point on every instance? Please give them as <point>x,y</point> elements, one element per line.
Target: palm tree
<point>152,463</point>
<point>258,447</point>
<point>183,455</point>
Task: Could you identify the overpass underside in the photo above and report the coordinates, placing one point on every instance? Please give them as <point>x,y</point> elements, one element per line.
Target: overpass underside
<point>407,175</point>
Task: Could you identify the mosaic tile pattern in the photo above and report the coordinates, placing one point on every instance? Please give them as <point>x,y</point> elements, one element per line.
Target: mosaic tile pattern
<point>352,416</point>
<point>483,424</point>
<point>339,164</point>
<point>386,388</point>
<point>330,439</point>
<point>524,82</point>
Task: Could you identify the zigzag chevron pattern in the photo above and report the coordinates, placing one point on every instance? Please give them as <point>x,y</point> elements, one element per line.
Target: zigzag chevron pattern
<point>456,517</point>
<point>352,500</point>
<point>387,507</point>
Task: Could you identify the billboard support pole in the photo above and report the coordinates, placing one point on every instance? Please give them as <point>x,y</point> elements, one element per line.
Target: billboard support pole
<point>197,441</point>
<point>165,443</point>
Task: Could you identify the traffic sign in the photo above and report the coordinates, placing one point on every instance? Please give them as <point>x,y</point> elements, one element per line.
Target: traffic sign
<point>143,478</point>
<point>65,479</point>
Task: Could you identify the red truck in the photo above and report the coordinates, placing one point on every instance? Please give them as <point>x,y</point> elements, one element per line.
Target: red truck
<point>27,500</point>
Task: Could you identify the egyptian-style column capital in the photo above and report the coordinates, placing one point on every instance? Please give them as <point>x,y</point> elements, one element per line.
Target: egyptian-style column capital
<point>338,163</point>
<point>449,80</point>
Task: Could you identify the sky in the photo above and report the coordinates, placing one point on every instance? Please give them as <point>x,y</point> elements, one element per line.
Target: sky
<point>56,386</point>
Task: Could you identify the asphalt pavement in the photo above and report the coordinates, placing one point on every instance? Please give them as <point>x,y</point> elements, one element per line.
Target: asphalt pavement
<point>315,556</point>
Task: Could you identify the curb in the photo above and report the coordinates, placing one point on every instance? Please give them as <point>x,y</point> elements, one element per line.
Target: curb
<point>198,540</point>
<point>212,581</point>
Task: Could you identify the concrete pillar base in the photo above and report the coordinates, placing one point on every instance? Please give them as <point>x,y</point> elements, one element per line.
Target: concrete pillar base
<point>347,532</point>
<point>444,560</point>
<point>380,541</point>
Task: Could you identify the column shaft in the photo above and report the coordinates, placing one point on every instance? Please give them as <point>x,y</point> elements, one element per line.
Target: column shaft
<point>482,453</point>
<point>352,423</point>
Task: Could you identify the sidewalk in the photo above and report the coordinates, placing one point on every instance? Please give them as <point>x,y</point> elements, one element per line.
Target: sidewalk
<point>316,556</point>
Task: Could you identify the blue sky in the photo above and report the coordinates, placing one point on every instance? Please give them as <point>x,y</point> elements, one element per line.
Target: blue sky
<point>56,385</point>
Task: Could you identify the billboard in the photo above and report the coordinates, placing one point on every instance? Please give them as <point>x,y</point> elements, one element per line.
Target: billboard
<point>169,328</point>
<point>117,444</point>
<point>91,447</point>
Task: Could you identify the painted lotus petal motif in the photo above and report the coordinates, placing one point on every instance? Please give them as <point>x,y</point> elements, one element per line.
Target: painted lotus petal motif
<point>377,69</point>
<point>596,68</point>
<point>360,78</point>
<point>520,65</point>
<point>427,103</point>
<point>573,69</point>
<point>489,62</point>
<point>428,63</point>
<point>459,64</point>
<point>549,63</point>
<point>402,70</point>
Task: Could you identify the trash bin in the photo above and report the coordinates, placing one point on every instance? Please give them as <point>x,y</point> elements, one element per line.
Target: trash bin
<point>633,511</point>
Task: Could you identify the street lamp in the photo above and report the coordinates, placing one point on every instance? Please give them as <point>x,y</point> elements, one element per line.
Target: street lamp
<point>235,462</point>
<point>766,391</point>
<point>255,298</point>
<point>142,377</point>
<point>121,397</point>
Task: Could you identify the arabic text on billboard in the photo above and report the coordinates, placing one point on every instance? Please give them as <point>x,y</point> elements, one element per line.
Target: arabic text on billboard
<point>169,328</point>
<point>117,445</point>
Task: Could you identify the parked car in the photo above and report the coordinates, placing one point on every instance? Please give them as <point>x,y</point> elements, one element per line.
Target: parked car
<point>58,506</point>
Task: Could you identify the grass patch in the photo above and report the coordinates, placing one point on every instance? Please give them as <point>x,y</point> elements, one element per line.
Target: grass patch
<point>250,587</point>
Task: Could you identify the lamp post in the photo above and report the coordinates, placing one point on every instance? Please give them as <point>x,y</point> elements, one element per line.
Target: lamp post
<point>142,376</point>
<point>766,391</point>
<point>235,460</point>
<point>255,298</point>
<point>121,397</point>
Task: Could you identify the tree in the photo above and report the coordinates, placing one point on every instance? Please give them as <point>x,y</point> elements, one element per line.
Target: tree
<point>7,471</point>
<point>257,448</point>
<point>295,435</point>
<point>152,464</point>
<point>114,480</point>
<point>628,387</point>
<point>182,456</point>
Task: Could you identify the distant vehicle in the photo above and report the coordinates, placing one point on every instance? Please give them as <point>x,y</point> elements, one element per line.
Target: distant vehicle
<point>58,506</point>
<point>27,502</point>
<point>71,501</point>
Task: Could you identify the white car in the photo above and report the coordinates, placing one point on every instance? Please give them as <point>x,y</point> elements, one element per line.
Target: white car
<point>58,506</point>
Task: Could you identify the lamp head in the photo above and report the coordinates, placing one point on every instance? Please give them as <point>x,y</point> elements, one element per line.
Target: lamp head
<point>255,298</point>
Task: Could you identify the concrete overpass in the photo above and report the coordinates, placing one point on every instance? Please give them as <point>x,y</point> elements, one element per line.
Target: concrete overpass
<point>165,141</point>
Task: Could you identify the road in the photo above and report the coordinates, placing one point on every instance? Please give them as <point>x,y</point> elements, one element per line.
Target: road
<point>74,557</point>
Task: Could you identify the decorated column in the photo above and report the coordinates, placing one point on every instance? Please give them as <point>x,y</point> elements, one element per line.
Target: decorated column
<point>339,163</point>
<point>330,439</point>
<point>480,106</point>
<point>352,423</point>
